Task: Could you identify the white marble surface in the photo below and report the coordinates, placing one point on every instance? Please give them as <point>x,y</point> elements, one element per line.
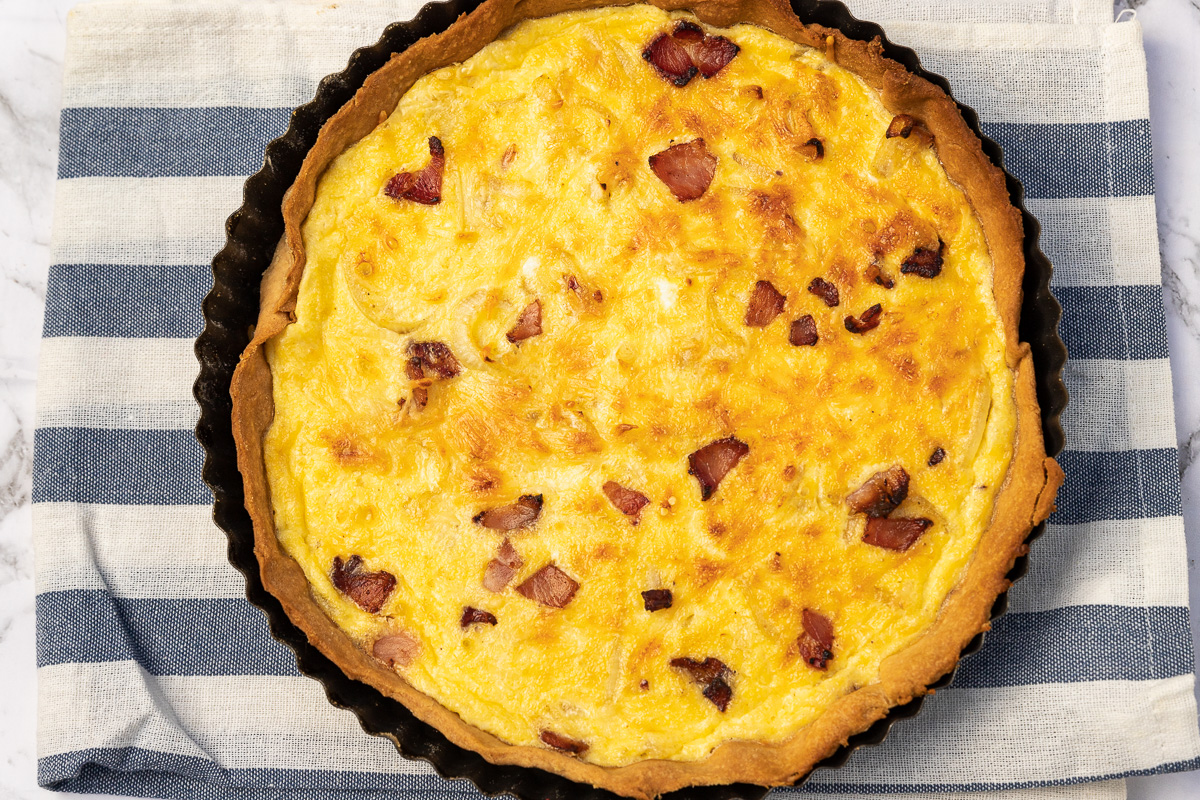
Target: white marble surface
<point>32,35</point>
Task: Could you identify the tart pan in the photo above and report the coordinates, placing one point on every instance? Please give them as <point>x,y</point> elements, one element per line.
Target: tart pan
<point>231,310</point>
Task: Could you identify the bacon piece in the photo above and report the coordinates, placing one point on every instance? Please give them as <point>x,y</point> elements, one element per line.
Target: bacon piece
<point>895,534</point>
<point>529,324</point>
<point>937,457</point>
<point>825,290</point>
<point>687,169</point>
<point>803,332</point>
<point>563,743</point>
<point>711,463</point>
<point>924,262</point>
<point>476,616</point>
<point>501,569</point>
<point>867,320</point>
<point>431,357</point>
<point>423,187</point>
<point>766,303</point>
<point>397,649</point>
<point>368,590</point>
<point>420,396</point>
<point>627,501</point>
<point>549,586</point>
<point>816,641</point>
<point>657,599</point>
<point>669,56</point>
<point>712,674</point>
<point>521,514</point>
<point>881,493</point>
<point>712,54</point>
<point>813,149</point>
<point>875,274</point>
<point>688,31</point>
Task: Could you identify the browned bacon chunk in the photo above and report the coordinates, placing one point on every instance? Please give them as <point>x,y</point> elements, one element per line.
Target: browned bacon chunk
<point>668,55</point>
<point>476,616</point>
<point>431,359</point>
<point>424,186</point>
<point>712,675</point>
<point>711,463</point>
<point>881,493</point>
<point>368,590</point>
<point>397,649</point>
<point>867,320</point>
<point>813,149</point>
<point>687,169</point>
<point>816,641</point>
<point>924,262</point>
<point>514,516</point>
<point>712,54</point>
<point>766,303</point>
<point>501,569</point>
<point>895,534</point>
<point>937,457</point>
<point>678,56</point>
<point>549,586</point>
<point>657,599</point>
<point>563,743</point>
<point>803,332</point>
<point>627,501</point>
<point>529,324</point>
<point>824,290</point>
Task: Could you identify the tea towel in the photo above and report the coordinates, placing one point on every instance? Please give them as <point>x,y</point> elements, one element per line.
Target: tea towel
<point>157,677</point>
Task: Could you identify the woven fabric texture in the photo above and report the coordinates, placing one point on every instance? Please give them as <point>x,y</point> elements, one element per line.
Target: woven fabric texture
<point>158,678</point>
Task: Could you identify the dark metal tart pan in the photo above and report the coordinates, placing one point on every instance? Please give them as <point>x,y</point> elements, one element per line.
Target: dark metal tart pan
<point>231,308</point>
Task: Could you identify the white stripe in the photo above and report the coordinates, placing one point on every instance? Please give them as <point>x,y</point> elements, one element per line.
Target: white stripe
<point>273,54</point>
<point>266,721</point>
<point>243,721</point>
<point>1134,562</point>
<point>1119,405</point>
<point>215,54</point>
<point>1099,241</point>
<point>996,69</point>
<point>133,551</point>
<point>177,551</point>
<point>1050,732</point>
<point>143,383</point>
<point>142,220</point>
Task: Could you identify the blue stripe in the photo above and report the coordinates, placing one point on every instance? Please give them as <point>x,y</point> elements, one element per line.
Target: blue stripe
<point>166,636</point>
<point>1127,484</point>
<point>1083,159</point>
<point>1081,643</point>
<point>1103,159</point>
<point>1121,322</point>
<point>165,142</point>
<point>127,467</point>
<point>126,300</point>
<point>149,773</point>
<point>226,636</point>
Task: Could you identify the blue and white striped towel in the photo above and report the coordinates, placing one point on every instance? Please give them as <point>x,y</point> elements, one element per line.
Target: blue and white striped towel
<point>158,678</point>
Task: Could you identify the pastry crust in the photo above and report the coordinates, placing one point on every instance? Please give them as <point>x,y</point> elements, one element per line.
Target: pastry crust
<point>1025,500</point>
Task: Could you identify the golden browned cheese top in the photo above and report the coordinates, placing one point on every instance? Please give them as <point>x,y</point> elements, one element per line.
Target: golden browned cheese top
<point>542,356</point>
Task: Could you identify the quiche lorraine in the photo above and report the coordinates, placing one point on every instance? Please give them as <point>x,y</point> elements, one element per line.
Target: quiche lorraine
<point>637,392</point>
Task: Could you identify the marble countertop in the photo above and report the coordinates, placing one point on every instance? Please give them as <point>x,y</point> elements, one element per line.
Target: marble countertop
<point>32,34</point>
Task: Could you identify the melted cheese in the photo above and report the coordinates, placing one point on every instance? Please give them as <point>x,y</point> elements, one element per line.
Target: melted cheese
<point>654,338</point>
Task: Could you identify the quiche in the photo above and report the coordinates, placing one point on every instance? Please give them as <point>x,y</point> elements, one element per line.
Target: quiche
<point>637,392</point>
